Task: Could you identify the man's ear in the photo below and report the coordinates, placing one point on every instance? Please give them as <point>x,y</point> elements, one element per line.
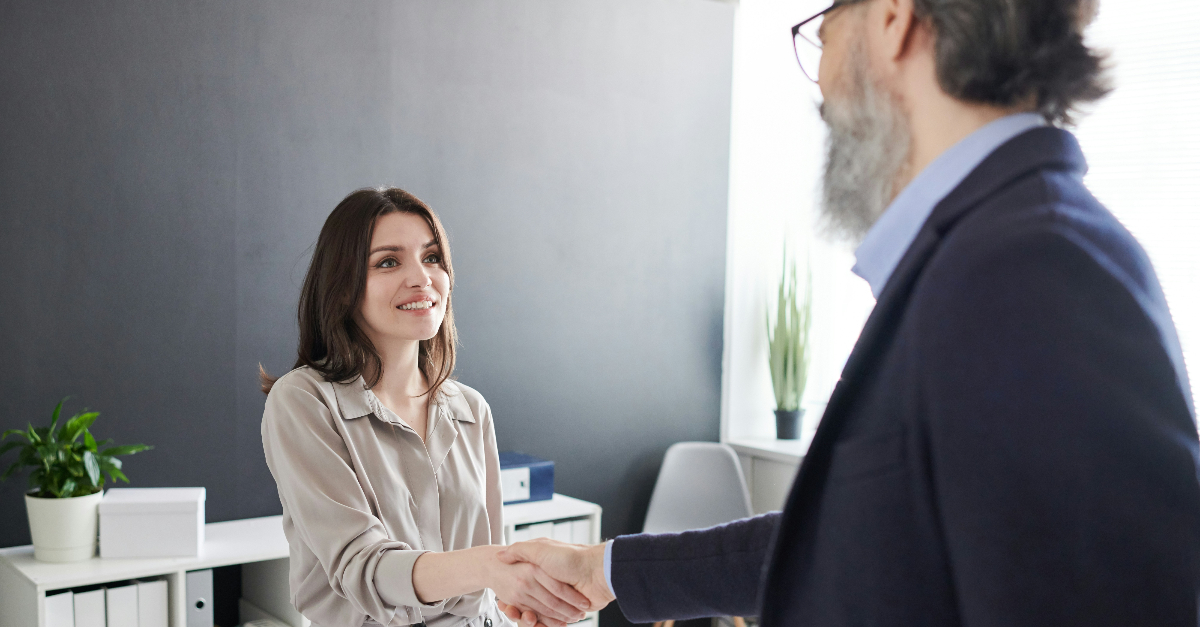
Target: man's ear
<point>898,28</point>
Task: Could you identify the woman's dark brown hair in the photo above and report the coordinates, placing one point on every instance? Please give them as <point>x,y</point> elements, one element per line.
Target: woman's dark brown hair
<point>331,342</point>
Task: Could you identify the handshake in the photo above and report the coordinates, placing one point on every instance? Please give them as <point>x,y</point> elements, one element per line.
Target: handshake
<point>548,583</point>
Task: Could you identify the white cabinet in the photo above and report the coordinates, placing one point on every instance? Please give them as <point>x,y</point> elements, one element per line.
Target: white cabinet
<point>24,581</point>
<point>256,543</point>
<point>770,467</point>
<point>561,518</point>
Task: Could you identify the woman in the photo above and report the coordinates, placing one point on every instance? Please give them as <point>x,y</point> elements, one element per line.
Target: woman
<point>387,469</point>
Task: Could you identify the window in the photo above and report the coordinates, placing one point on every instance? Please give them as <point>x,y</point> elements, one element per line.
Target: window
<point>1142,144</point>
<point>775,167</point>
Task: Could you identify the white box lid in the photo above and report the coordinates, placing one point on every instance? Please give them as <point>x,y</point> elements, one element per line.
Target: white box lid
<point>152,500</point>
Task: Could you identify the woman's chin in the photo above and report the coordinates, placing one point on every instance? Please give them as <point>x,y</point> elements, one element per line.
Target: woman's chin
<point>419,330</point>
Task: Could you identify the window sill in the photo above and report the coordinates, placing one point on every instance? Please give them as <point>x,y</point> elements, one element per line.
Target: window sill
<point>784,451</point>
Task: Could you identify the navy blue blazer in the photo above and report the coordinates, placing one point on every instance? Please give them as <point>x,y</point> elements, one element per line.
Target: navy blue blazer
<point>1010,443</point>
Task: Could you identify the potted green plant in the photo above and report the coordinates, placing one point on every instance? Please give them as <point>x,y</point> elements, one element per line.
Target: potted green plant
<point>66,483</point>
<point>788,351</point>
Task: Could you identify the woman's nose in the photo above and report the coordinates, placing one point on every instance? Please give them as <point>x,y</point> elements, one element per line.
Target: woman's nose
<point>420,278</point>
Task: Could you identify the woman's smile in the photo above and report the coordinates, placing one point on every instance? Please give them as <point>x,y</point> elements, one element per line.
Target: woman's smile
<point>422,306</point>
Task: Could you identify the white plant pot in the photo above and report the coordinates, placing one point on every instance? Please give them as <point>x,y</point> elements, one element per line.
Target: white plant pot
<point>63,530</point>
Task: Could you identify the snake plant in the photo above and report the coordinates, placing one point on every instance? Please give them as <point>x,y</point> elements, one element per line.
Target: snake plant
<point>788,349</point>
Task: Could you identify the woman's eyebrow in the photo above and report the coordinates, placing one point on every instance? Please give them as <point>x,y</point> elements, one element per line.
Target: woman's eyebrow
<point>396,249</point>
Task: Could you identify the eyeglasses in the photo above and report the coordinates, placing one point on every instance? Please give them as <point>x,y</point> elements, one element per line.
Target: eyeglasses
<point>806,40</point>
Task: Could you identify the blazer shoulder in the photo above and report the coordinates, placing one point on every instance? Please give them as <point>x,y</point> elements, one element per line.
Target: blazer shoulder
<point>1048,212</point>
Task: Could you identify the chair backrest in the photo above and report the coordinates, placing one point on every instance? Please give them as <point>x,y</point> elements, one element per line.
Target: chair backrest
<point>699,485</point>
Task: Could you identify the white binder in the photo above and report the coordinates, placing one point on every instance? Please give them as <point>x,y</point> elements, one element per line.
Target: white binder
<point>152,603</point>
<point>122,606</point>
<point>541,530</point>
<point>581,531</point>
<point>60,610</point>
<point>89,608</point>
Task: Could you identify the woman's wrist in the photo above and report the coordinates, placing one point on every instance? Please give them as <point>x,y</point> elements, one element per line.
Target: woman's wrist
<point>438,576</point>
<point>487,566</point>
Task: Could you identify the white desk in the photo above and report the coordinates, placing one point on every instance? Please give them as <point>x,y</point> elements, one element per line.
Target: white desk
<point>256,543</point>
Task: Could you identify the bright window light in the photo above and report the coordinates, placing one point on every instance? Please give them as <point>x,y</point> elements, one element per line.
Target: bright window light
<point>1142,144</point>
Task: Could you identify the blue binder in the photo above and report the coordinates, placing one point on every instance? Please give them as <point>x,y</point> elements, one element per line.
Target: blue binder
<point>525,478</point>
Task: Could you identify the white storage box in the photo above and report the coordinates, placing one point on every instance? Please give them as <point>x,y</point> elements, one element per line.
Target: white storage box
<point>152,522</point>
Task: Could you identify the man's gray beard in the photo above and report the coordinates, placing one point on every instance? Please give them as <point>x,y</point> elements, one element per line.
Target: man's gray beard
<point>865,154</point>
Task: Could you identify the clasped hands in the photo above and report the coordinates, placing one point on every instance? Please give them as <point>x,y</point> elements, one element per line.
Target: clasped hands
<point>554,583</point>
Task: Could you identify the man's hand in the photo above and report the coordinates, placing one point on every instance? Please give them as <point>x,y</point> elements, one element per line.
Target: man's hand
<point>528,586</point>
<point>580,566</point>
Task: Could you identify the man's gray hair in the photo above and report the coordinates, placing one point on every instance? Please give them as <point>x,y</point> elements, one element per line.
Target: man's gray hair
<point>1012,52</point>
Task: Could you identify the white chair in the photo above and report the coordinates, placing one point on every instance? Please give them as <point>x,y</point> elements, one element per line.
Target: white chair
<point>699,485</point>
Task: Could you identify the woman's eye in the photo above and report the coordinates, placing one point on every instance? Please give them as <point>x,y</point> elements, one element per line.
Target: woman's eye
<point>388,263</point>
<point>433,258</point>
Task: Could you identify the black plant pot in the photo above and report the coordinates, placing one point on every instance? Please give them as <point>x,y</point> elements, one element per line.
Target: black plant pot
<point>787,423</point>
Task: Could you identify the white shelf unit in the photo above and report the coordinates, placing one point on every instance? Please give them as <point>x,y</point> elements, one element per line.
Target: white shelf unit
<point>257,543</point>
<point>770,466</point>
<point>25,581</point>
<point>558,509</point>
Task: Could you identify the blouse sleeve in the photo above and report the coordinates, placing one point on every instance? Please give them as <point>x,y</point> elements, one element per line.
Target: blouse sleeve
<point>331,514</point>
<point>494,498</point>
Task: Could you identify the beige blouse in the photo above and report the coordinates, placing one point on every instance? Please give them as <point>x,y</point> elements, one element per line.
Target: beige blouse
<point>363,497</point>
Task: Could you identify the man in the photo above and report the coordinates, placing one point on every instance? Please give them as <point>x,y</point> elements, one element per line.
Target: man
<point>1012,441</point>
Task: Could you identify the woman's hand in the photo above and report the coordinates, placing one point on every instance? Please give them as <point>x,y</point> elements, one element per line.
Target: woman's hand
<point>580,566</point>
<point>526,587</point>
<point>526,618</point>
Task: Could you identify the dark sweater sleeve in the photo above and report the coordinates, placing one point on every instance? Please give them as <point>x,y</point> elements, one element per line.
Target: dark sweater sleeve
<point>710,572</point>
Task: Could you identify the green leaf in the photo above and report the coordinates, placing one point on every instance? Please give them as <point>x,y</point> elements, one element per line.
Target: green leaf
<point>20,432</point>
<point>127,449</point>
<point>10,446</point>
<point>57,410</point>
<point>77,424</point>
<point>788,338</point>
<point>48,452</point>
<point>93,468</point>
<point>60,463</point>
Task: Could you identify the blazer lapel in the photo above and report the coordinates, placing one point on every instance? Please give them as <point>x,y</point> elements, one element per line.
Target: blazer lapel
<point>1037,149</point>
<point>1034,150</point>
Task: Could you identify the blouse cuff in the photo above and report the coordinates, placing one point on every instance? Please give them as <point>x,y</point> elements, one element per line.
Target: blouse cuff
<point>393,580</point>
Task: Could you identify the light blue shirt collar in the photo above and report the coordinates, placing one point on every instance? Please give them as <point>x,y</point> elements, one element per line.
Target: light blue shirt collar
<point>890,237</point>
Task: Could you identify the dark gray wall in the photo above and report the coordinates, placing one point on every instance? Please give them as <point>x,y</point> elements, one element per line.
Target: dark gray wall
<point>165,169</point>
